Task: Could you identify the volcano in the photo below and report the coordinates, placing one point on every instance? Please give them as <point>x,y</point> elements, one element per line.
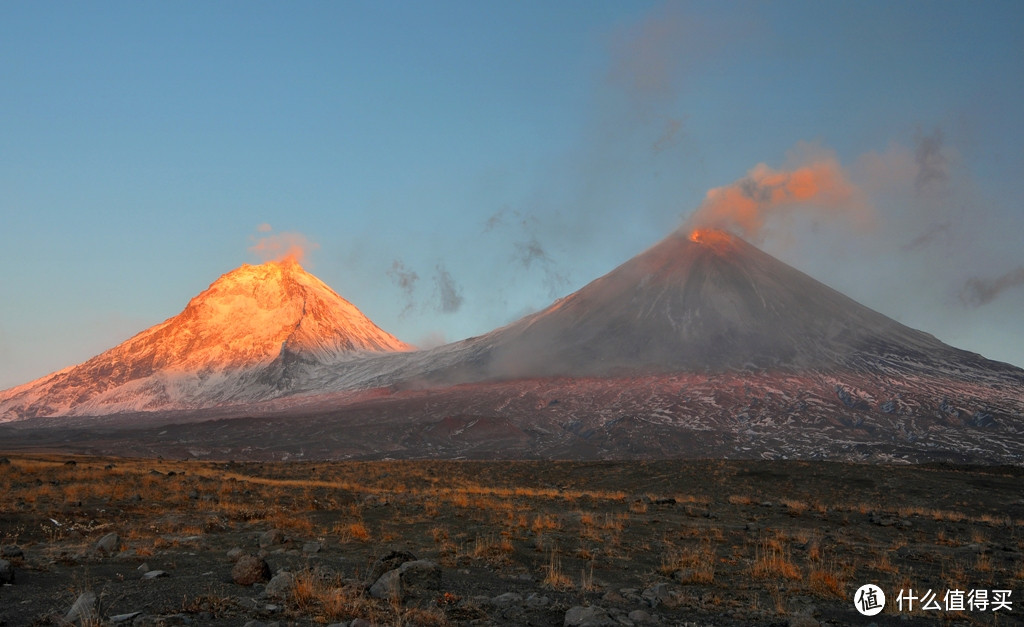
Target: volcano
<point>241,340</point>
<point>701,346</point>
<point>705,302</point>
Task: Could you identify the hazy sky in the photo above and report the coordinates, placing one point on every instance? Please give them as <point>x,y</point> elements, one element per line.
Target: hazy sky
<point>451,166</point>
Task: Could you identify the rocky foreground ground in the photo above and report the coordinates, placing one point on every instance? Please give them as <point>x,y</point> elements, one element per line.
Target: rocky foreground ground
<point>98,541</point>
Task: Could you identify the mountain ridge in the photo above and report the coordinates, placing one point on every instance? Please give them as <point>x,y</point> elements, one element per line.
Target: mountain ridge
<point>700,346</point>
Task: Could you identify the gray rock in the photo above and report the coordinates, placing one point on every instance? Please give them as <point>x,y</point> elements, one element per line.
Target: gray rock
<point>613,597</point>
<point>360,622</point>
<point>6,572</point>
<point>271,538</point>
<point>591,616</point>
<point>387,586</point>
<point>235,553</point>
<point>108,544</point>
<point>85,609</point>
<point>659,594</point>
<point>421,574</point>
<point>311,547</point>
<point>143,568</point>
<point>536,600</point>
<point>280,586</point>
<point>250,569</point>
<point>410,576</point>
<point>388,561</point>
<point>154,574</point>
<point>123,618</point>
<point>641,617</point>
<point>509,598</point>
<point>10,552</point>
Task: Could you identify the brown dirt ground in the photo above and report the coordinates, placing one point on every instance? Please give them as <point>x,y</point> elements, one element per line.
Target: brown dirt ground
<point>736,543</point>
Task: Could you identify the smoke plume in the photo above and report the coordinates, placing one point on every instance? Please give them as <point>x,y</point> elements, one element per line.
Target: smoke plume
<point>928,236</point>
<point>281,246</point>
<point>978,291</point>
<point>528,251</point>
<point>406,280</point>
<point>669,137</point>
<point>818,185</point>
<point>448,293</point>
<point>932,165</point>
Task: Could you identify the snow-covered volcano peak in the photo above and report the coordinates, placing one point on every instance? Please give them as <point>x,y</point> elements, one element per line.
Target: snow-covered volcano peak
<point>255,312</point>
<point>235,341</point>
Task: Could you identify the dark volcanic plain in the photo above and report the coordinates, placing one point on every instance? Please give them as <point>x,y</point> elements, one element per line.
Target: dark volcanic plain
<point>504,543</point>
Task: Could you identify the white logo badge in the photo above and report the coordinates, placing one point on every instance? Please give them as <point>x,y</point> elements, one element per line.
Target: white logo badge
<point>869,599</point>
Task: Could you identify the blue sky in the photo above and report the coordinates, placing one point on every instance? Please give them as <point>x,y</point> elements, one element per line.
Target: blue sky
<point>507,152</point>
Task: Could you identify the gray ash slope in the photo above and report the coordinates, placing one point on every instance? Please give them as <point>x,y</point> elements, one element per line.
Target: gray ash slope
<point>702,346</point>
<point>707,302</point>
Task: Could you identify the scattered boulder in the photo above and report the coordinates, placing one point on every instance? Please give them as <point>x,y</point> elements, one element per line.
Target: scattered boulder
<point>280,586</point>
<point>660,594</point>
<point>270,538</point>
<point>589,616</point>
<point>407,578</point>
<point>388,561</point>
<point>250,569</point>
<point>154,574</point>
<point>235,553</point>
<point>311,547</point>
<point>108,544</point>
<point>640,617</point>
<point>613,597</point>
<point>85,610</point>
<point>509,598</point>
<point>11,552</point>
<point>6,572</point>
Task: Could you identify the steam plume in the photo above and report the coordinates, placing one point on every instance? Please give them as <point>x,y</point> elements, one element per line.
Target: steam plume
<point>818,185</point>
<point>978,291</point>
<point>281,246</point>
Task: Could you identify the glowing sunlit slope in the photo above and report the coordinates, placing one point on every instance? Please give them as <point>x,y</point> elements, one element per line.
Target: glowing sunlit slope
<point>243,339</point>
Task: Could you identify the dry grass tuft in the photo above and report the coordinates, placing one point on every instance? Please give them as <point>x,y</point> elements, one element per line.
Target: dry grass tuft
<point>690,564</point>
<point>827,580</point>
<point>353,531</point>
<point>553,575</point>
<point>773,560</point>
